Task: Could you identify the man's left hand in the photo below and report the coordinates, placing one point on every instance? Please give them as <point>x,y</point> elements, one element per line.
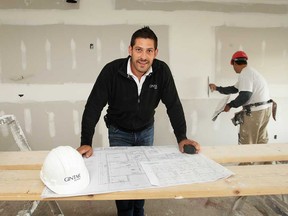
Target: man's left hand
<point>188,142</point>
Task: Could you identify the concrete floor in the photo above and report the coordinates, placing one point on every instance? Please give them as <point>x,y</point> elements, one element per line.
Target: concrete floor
<point>184,207</point>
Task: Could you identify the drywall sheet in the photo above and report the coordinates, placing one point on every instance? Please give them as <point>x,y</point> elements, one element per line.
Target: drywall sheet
<point>65,53</point>
<point>46,125</point>
<point>267,50</point>
<point>215,6</point>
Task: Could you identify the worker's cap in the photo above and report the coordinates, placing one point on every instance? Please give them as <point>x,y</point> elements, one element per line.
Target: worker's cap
<point>239,56</point>
<point>64,171</point>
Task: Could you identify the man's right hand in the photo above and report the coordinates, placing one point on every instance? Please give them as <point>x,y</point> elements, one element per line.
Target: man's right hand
<point>212,87</point>
<point>85,150</point>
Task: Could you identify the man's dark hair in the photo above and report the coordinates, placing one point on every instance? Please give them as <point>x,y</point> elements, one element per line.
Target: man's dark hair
<point>144,32</point>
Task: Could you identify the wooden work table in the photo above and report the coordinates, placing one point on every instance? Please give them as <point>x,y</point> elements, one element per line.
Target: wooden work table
<point>19,176</point>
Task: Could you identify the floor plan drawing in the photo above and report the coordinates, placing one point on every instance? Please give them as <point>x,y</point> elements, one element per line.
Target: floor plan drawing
<point>114,169</point>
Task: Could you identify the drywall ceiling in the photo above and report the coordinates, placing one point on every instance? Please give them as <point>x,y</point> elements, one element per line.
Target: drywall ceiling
<point>248,6</point>
<point>244,6</point>
<point>38,4</point>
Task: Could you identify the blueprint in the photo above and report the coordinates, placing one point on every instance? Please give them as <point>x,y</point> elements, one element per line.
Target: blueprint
<point>114,169</point>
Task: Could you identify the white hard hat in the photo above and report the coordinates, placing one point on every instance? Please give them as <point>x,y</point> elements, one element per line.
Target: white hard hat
<point>64,171</point>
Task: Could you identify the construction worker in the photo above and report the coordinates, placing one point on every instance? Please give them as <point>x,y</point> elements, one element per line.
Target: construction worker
<point>253,96</point>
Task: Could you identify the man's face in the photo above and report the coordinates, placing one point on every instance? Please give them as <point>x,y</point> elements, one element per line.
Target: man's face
<point>142,55</point>
<point>237,68</point>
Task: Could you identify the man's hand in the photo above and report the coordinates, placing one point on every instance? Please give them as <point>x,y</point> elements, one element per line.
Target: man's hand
<point>227,108</point>
<point>188,142</point>
<point>85,150</point>
<point>212,87</point>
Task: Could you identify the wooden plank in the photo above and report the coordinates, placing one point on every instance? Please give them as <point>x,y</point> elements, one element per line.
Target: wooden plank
<point>17,160</point>
<point>248,180</point>
<point>247,153</point>
<point>221,154</point>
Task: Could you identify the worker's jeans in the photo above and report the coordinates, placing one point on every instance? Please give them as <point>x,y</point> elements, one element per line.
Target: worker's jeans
<point>122,138</point>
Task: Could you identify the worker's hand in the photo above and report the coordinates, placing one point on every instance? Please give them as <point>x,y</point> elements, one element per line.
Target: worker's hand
<point>212,87</point>
<point>227,108</point>
<point>85,150</point>
<point>188,142</point>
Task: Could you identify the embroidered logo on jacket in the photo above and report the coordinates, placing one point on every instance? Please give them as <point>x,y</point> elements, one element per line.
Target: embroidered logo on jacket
<point>154,86</point>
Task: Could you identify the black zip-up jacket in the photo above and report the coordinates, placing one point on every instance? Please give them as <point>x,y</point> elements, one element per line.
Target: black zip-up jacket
<point>126,109</point>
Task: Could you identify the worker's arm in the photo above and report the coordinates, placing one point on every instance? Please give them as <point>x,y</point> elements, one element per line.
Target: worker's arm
<point>223,90</point>
<point>240,100</point>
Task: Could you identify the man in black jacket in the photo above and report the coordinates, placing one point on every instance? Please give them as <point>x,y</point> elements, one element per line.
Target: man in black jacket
<point>133,88</point>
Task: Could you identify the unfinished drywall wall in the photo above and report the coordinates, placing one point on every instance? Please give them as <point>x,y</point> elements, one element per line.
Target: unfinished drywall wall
<point>53,54</point>
<point>267,50</point>
<point>49,108</point>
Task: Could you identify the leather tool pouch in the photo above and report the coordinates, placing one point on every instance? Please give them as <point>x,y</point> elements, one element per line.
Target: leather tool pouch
<point>274,109</point>
<point>238,118</point>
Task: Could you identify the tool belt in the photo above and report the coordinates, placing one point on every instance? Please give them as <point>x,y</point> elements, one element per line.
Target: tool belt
<point>239,116</point>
